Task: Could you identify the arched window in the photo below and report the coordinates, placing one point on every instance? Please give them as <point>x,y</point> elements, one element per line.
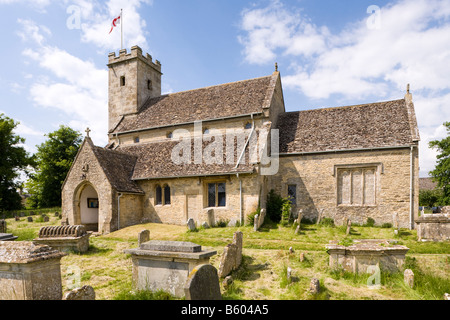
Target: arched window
<point>206,131</point>
<point>248,125</point>
<point>166,194</point>
<point>158,198</point>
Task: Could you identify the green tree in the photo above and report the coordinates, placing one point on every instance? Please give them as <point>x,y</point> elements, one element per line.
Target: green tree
<point>441,174</point>
<point>13,160</point>
<point>430,198</point>
<point>53,161</point>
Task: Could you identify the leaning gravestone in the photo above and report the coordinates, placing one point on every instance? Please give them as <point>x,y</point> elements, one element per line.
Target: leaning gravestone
<point>232,255</point>
<point>203,284</point>
<point>314,286</point>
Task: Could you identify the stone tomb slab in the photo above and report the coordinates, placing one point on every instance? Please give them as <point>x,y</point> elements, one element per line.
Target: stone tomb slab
<point>166,265</point>
<point>7,237</point>
<point>362,254</point>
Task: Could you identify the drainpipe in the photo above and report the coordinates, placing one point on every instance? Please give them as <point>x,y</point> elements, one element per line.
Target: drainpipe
<point>411,191</point>
<point>246,143</point>
<point>118,210</point>
<point>240,200</point>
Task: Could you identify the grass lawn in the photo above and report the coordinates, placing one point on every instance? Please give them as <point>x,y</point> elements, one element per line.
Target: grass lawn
<point>262,274</point>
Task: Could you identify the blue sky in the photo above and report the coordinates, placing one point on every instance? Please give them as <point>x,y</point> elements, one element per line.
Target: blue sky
<point>330,53</point>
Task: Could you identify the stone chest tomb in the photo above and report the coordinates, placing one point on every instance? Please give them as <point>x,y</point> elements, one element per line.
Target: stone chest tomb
<point>166,265</point>
<point>433,227</point>
<point>29,271</point>
<point>64,238</point>
<point>362,254</point>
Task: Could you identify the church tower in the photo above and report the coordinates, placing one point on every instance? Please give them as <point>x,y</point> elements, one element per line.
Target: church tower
<point>133,78</point>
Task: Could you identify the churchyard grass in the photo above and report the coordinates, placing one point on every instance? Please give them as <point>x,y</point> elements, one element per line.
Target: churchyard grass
<point>266,257</point>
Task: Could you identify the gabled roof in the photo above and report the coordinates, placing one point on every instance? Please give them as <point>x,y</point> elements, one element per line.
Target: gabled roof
<point>118,168</point>
<point>374,125</point>
<point>154,161</point>
<point>221,101</point>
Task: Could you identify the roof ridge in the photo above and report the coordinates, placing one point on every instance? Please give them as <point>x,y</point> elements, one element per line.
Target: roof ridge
<point>212,86</point>
<point>344,107</point>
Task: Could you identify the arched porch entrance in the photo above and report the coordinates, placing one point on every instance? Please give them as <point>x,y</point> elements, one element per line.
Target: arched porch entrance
<point>87,207</point>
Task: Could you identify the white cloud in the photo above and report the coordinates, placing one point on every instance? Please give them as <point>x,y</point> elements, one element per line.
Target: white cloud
<point>78,88</point>
<point>31,31</point>
<point>412,46</point>
<point>96,18</point>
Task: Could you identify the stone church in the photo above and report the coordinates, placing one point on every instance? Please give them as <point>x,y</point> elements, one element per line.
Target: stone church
<point>213,154</point>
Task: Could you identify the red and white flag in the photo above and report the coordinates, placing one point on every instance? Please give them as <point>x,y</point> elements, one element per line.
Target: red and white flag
<point>115,22</point>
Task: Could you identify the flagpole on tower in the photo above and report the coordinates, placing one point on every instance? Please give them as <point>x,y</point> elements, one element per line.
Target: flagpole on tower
<point>121,29</point>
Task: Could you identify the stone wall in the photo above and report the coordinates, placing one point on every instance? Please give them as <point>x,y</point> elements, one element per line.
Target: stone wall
<point>189,199</point>
<point>316,179</point>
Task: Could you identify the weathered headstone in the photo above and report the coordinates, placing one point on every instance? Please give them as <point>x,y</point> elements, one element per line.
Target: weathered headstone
<point>319,218</point>
<point>203,284</point>
<point>256,222</point>
<point>205,225</point>
<point>191,224</point>
<point>314,286</point>
<point>16,218</point>
<point>83,293</point>
<point>291,250</point>
<point>232,223</point>
<point>349,227</point>
<point>289,274</point>
<point>302,257</point>
<point>46,219</point>
<point>210,215</point>
<point>143,236</point>
<point>56,214</point>
<point>30,219</point>
<point>232,255</point>
<point>409,278</point>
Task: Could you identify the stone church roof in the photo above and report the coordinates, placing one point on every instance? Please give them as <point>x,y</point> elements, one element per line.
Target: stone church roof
<point>154,161</point>
<point>374,125</point>
<point>118,168</point>
<point>221,101</point>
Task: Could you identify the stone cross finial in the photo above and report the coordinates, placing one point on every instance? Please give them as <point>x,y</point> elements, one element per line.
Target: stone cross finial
<point>87,132</point>
<point>407,88</point>
<point>276,66</point>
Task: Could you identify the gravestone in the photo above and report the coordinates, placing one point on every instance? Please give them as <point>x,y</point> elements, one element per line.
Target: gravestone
<point>143,236</point>
<point>16,218</point>
<point>409,278</point>
<point>56,214</point>
<point>46,219</point>
<point>302,257</point>
<point>232,256</point>
<point>349,227</point>
<point>433,227</point>
<point>203,284</point>
<point>289,274</point>
<point>191,224</point>
<point>314,286</point>
<point>30,219</point>
<point>83,293</point>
